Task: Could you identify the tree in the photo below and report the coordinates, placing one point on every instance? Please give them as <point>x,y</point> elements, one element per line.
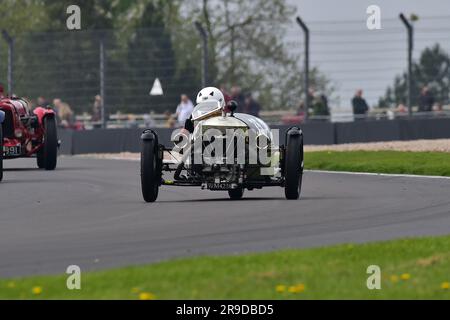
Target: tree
<point>51,60</point>
<point>139,46</point>
<point>247,48</point>
<point>19,18</point>
<point>432,70</point>
<point>151,55</point>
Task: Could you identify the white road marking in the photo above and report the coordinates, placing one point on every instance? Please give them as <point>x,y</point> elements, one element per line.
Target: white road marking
<point>317,171</point>
<point>380,174</point>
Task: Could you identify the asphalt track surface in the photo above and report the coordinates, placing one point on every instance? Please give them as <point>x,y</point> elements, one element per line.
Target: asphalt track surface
<point>90,212</point>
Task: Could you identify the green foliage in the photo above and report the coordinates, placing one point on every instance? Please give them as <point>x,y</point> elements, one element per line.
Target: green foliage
<point>148,39</point>
<point>421,163</point>
<point>432,70</point>
<point>247,49</point>
<point>410,269</point>
<point>20,17</point>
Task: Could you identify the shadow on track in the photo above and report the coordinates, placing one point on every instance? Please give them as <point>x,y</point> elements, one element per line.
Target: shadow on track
<point>281,198</point>
<point>21,169</point>
<point>43,170</point>
<point>223,200</point>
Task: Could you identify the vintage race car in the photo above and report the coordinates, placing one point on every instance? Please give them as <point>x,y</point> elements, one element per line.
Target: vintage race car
<point>28,134</point>
<point>221,150</point>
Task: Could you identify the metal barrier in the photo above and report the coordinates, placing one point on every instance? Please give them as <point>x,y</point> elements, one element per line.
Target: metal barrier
<point>316,133</point>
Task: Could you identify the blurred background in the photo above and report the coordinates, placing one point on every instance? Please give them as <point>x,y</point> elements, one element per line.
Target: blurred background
<point>103,74</point>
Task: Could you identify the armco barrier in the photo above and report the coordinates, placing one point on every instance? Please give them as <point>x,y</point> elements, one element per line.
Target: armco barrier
<point>110,140</point>
<point>424,129</point>
<point>315,133</point>
<point>366,131</point>
<point>402,129</point>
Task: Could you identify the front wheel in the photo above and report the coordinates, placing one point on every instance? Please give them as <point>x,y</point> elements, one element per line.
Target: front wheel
<point>150,172</point>
<point>48,155</point>
<point>293,164</point>
<point>236,194</point>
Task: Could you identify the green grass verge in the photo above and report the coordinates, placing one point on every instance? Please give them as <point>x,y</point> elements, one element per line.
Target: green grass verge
<point>411,268</point>
<point>420,163</point>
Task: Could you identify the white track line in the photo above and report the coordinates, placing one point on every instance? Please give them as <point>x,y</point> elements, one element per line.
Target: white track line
<point>314,171</point>
<point>380,174</point>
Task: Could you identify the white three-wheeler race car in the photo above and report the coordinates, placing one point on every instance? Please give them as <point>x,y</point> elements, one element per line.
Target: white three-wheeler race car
<point>222,151</point>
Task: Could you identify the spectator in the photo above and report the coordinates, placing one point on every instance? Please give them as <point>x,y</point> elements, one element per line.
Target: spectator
<point>32,104</point>
<point>301,109</point>
<point>251,106</point>
<point>236,95</point>
<point>426,100</point>
<point>359,104</point>
<point>97,109</point>
<point>64,112</point>
<point>170,122</point>
<point>401,109</point>
<point>2,91</point>
<point>149,121</point>
<point>319,104</point>
<point>42,102</point>
<point>184,110</point>
<point>225,94</point>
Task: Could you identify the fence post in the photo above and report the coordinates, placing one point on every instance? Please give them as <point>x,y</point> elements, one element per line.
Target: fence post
<point>306,35</point>
<point>10,41</point>
<point>410,30</point>
<point>102,82</point>
<point>205,58</point>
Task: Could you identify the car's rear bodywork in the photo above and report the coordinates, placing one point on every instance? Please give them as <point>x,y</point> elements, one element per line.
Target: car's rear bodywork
<point>23,130</point>
<point>26,133</point>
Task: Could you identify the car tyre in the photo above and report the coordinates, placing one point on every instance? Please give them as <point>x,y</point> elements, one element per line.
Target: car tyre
<point>40,159</point>
<point>293,165</point>
<point>150,171</point>
<point>48,155</point>
<point>236,194</point>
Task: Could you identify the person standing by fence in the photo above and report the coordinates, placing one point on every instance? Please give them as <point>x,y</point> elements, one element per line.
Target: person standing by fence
<point>252,107</point>
<point>97,109</point>
<point>319,103</point>
<point>2,91</point>
<point>426,100</point>
<point>360,106</point>
<point>184,110</point>
<point>236,95</point>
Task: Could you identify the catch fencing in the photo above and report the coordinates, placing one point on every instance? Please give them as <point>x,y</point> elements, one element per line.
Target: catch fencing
<point>122,68</point>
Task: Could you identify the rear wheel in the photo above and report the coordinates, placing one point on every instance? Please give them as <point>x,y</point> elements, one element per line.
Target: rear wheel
<point>150,172</point>
<point>293,165</point>
<point>236,194</point>
<point>48,155</point>
<point>1,152</point>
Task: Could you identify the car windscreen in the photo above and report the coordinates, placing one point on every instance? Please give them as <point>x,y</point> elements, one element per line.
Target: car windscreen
<point>204,108</point>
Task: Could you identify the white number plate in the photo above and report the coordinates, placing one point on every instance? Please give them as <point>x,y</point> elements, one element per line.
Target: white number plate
<point>14,151</point>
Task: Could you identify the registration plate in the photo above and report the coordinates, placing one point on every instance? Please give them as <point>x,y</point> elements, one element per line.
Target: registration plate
<point>13,151</point>
<point>219,186</point>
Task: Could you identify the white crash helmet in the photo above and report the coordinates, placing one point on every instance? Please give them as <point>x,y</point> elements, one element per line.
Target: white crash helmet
<point>211,93</point>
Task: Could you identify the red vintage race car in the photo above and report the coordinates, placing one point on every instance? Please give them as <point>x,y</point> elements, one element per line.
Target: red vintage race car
<point>25,133</point>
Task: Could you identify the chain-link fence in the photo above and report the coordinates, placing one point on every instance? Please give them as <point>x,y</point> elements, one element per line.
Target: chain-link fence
<point>352,57</point>
<point>77,66</point>
<point>344,56</point>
